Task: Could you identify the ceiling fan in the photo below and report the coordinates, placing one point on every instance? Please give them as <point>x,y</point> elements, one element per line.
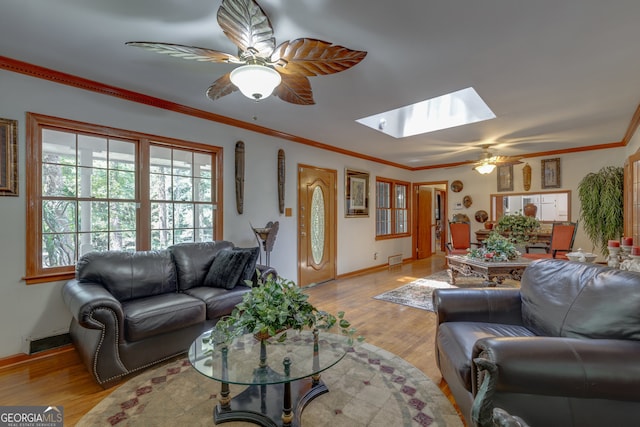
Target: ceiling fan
<point>488,162</point>
<point>283,70</point>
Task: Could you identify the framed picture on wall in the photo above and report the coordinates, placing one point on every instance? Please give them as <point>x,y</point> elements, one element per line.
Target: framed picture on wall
<point>8,157</point>
<point>356,194</point>
<point>505,178</point>
<point>551,173</point>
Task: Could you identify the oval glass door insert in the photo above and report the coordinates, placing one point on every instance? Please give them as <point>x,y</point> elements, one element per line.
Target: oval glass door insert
<point>317,225</point>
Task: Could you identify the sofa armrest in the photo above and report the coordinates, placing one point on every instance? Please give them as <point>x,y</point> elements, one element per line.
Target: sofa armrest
<point>478,305</point>
<point>554,366</point>
<point>92,305</point>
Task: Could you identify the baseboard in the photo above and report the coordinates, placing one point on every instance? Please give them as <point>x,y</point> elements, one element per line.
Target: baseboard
<point>18,359</point>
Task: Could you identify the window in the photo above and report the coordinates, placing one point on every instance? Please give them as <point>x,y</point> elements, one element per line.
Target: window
<point>392,208</point>
<point>97,188</point>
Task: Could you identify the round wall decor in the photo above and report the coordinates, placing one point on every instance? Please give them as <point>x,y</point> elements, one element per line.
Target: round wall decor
<point>467,202</point>
<point>482,216</point>
<point>456,186</point>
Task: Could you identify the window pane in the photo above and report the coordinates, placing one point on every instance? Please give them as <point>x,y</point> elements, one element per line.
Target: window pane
<point>182,163</point>
<point>92,183</point>
<point>93,242</point>
<point>204,216</point>
<point>122,155</point>
<point>122,241</point>
<point>122,216</point>
<point>160,187</point>
<point>202,189</point>
<point>93,216</point>
<point>160,159</point>
<point>58,216</point>
<point>92,151</point>
<point>204,235</point>
<point>161,216</point>
<point>401,196</point>
<point>58,147</point>
<point>122,185</point>
<point>401,221</point>
<point>202,165</point>
<point>58,181</point>
<point>182,188</point>
<point>183,215</point>
<point>58,250</point>
<point>161,239</point>
<point>182,236</point>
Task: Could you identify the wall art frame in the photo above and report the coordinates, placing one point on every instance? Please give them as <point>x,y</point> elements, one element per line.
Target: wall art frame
<point>356,193</point>
<point>8,157</point>
<point>551,173</point>
<point>505,177</point>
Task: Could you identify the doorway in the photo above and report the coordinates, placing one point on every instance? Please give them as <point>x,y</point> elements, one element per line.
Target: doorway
<point>316,224</point>
<point>430,233</point>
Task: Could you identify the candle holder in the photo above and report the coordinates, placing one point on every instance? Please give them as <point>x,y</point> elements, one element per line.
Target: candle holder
<point>613,258</point>
<point>625,252</point>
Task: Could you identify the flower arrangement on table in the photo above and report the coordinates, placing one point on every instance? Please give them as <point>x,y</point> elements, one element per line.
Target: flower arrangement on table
<point>518,227</point>
<point>274,306</point>
<point>495,248</point>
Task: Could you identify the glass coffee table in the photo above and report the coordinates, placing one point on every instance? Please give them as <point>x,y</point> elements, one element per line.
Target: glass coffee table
<point>282,378</point>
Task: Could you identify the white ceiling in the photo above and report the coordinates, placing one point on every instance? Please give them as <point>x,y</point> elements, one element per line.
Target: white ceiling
<point>558,74</point>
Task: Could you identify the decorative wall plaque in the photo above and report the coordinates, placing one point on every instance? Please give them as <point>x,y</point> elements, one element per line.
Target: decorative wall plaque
<point>240,176</point>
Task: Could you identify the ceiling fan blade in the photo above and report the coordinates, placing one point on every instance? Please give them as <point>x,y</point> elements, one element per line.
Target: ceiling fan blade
<point>296,89</point>
<point>221,87</point>
<point>247,26</point>
<point>312,57</point>
<point>506,160</point>
<point>186,52</point>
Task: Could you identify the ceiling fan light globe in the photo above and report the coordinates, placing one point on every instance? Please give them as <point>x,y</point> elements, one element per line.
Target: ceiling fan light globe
<point>255,81</point>
<point>485,168</point>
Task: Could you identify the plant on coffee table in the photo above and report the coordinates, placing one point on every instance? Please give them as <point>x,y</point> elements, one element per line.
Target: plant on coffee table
<point>274,306</point>
<point>495,248</point>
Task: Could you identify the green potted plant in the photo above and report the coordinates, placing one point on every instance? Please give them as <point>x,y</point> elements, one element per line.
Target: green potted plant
<point>495,248</point>
<point>274,306</point>
<point>518,227</point>
<point>601,205</point>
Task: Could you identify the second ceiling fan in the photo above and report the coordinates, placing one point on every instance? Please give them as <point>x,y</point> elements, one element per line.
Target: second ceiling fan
<point>265,69</point>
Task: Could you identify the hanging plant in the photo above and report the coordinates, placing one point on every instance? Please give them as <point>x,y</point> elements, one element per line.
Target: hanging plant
<point>601,205</point>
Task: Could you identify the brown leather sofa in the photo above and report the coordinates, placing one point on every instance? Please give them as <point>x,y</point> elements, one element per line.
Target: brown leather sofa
<point>134,309</point>
<point>563,350</point>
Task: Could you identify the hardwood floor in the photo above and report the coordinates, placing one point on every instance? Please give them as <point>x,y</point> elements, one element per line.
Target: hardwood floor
<point>61,379</point>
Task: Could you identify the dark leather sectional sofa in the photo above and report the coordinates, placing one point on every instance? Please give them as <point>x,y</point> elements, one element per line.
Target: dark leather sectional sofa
<point>132,310</point>
<point>563,350</point>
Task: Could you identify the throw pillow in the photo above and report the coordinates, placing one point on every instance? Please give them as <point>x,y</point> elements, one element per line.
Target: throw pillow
<point>227,268</point>
<point>250,268</point>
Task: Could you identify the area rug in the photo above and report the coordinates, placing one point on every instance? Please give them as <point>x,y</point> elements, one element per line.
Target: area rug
<point>418,293</point>
<point>369,387</point>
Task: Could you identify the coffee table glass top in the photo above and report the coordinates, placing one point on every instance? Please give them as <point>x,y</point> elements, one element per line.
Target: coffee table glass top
<point>243,358</point>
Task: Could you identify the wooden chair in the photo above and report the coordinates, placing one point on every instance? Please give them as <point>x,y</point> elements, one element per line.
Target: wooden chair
<point>460,236</point>
<point>562,236</point>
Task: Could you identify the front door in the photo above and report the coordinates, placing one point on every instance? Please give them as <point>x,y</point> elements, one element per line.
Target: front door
<point>316,225</point>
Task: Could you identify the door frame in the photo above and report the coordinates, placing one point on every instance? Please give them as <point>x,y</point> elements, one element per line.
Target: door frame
<point>332,226</point>
<point>443,214</point>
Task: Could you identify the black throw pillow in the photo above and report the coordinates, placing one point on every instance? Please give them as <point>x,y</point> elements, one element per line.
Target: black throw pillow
<point>250,267</point>
<point>227,268</point>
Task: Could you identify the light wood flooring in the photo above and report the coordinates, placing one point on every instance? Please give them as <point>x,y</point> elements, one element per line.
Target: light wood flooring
<point>59,378</point>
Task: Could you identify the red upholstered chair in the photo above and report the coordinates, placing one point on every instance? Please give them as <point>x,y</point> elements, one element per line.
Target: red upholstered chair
<point>460,236</point>
<point>562,236</point>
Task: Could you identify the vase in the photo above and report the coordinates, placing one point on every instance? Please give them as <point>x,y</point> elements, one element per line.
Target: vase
<point>530,210</point>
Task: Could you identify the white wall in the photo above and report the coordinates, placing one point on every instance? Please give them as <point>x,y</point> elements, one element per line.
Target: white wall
<point>37,311</point>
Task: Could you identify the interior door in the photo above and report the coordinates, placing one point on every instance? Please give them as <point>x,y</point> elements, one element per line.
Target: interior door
<point>425,223</point>
<point>316,225</point>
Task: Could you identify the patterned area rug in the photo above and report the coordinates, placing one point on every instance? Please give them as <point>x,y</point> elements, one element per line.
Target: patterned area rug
<point>369,387</point>
<point>418,293</point>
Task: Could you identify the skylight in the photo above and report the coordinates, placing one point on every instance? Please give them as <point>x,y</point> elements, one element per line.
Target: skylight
<point>453,109</point>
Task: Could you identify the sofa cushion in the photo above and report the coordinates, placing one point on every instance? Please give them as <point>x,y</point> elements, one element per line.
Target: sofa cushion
<point>129,275</point>
<point>193,261</point>
<point>580,300</point>
<point>219,301</point>
<point>156,315</point>
<point>227,268</point>
<point>455,341</point>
